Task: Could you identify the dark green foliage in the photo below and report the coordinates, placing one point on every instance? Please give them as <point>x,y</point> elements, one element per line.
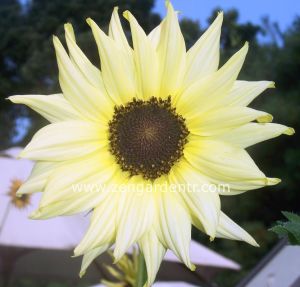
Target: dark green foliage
<point>289,228</point>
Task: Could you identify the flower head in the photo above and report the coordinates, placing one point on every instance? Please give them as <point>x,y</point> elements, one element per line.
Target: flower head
<point>19,201</point>
<point>150,142</point>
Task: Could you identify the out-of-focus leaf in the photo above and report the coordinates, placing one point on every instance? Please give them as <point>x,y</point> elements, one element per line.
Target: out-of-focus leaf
<point>290,228</point>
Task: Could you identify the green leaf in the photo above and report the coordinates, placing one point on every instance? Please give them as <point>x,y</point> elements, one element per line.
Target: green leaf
<point>289,229</point>
<point>291,216</point>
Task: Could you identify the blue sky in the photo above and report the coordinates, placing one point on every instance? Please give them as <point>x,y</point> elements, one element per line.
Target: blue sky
<point>281,11</point>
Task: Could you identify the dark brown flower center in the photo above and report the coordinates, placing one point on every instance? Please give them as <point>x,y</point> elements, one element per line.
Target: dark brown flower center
<point>147,137</point>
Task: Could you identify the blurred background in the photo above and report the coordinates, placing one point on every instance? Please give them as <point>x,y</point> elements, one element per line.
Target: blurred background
<point>28,66</point>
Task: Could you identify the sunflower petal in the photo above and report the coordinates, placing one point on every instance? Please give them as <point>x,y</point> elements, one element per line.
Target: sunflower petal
<point>135,215</point>
<point>92,172</point>
<point>172,54</point>
<point>54,108</point>
<point>208,92</point>
<point>225,164</point>
<point>89,257</point>
<point>244,92</point>
<point>88,70</point>
<point>145,60</point>
<point>154,253</point>
<point>230,230</point>
<point>38,177</point>
<point>174,228</point>
<point>65,141</point>
<point>117,67</point>
<point>203,57</point>
<point>154,35</point>
<point>102,229</point>
<point>116,32</point>
<point>77,204</point>
<point>204,205</point>
<point>86,98</point>
<point>221,120</point>
<point>253,133</point>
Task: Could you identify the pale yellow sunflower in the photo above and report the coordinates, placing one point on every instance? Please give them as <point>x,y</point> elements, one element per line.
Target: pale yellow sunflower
<point>156,117</point>
<point>19,201</point>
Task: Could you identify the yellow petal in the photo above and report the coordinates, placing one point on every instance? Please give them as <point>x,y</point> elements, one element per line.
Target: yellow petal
<point>174,228</point>
<point>219,121</point>
<point>102,229</point>
<point>86,98</point>
<point>65,141</point>
<point>38,177</point>
<point>92,171</point>
<point>89,257</point>
<point>202,203</point>
<point>154,35</point>
<point>243,93</point>
<point>83,203</point>
<point>253,133</point>
<point>145,58</point>
<point>230,230</point>
<point>207,93</point>
<point>203,57</point>
<point>172,54</point>
<point>117,67</point>
<point>116,32</point>
<point>225,164</point>
<point>54,108</point>
<point>135,215</point>
<point>83,64</point>
<point>153,252</point>
<point>83,199</point>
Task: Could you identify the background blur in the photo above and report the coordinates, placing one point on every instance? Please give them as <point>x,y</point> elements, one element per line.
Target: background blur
<point>28,66</point>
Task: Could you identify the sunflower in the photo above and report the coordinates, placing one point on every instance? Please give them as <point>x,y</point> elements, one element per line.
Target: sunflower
<point>19,201</point>
<point>155,118</point>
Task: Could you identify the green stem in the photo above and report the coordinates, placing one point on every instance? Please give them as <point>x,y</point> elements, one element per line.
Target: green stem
<point>141,276</point>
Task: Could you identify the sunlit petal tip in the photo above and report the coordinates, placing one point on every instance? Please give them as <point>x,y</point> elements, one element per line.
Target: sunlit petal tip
<point>68,27</point>
<point>90,21</point>
<point>212,238</point>
<point>272,85</point>
<point>56,41</point>
<point>78,252</point>
<point>22,154</point>
<point>20,192</point>
<point>13,99</point>
<point>126,14</point>
<point>169,7</point>
<point>289,131</point>
<point>250,240</point>
<point>167,3</point>
<point>267,118</point>
<point>81,274</point>
<point>272,181</point>
<point>69,31</point>
<point>245,48</point>
<point>193,267</point>
<point>35,214</point>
